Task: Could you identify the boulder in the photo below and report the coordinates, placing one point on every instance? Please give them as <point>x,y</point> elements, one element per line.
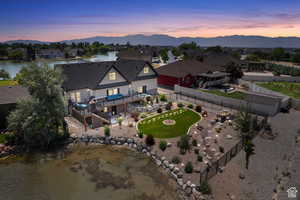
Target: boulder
<point>180,181</point>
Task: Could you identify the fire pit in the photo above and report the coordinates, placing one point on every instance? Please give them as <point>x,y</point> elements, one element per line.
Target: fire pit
<point>169,122</point>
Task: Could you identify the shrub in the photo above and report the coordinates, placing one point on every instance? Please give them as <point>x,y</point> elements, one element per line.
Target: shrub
<point>183,143</point>
<point>180,105</point>
<point>176,160</point>
<point>199,158</point>
<point>196,151</point>
<point>190,106</point>
<point>194,142</point>
<point>169,106</point>
<point>182,151</point>
<point>150,140</point>
<point>189,168</point>
<point>205,188</point>
<point>163,145</point>
<point>159,110</point>
<point>198,108</point>
<point>141,134</point>
<point>163,97</point>
<point>135,116</point>
<point>106,131</point>
<point>143,115</point>
<point>221,149</point>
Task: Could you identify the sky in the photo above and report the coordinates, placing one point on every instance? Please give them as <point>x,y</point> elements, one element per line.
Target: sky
<point>56,20</point>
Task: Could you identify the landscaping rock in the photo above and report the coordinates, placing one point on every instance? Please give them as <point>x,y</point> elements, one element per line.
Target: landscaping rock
<point>188,190</point>
<point>179,174</point>
<point>171,167</point>
<point>180,181</point>
<point>241,176</point>
<point>158,162</point>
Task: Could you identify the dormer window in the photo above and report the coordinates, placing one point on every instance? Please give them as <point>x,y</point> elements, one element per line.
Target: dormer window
<point>146,70</point>
<point>112,76</point>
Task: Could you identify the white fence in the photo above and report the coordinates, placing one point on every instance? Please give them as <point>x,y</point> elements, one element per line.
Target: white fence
<point>258,104</point>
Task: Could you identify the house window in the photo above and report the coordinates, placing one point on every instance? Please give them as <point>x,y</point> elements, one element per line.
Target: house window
<point>146,70</point>
<point>105,109</point>
<point>112,91</point>
<point>77,96</point>
<point>112,76</point>
<point>140,89</point>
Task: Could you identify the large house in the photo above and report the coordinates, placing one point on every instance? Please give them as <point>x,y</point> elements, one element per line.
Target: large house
<point>49,53</point>
<point>110,84</point>
<point>205,72</point>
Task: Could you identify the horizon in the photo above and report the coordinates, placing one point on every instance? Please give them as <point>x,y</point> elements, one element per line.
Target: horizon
<point>20,39</point>
<point>54,21</point>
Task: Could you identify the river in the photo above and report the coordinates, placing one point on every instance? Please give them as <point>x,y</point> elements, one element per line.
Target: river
<point>88,173</point>
<point>13,68</point>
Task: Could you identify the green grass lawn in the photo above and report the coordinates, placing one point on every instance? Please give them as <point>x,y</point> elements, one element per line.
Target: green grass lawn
<point>289,89</point>
<point>234,95</point>
<point>159,130</point>
<point>8,82</point>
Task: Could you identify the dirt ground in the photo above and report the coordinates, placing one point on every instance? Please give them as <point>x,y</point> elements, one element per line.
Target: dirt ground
<point>274,168</point>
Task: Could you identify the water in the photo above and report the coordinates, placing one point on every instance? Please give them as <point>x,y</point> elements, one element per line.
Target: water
<point>13,68</point>
<point>98,173</point>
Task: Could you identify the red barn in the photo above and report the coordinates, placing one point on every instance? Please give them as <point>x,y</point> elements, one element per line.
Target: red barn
<point>187,72</point>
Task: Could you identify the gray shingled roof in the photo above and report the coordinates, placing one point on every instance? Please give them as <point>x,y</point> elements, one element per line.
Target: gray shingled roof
<point>211,62</point>
<point>11,94</point>
<point>88,75</point>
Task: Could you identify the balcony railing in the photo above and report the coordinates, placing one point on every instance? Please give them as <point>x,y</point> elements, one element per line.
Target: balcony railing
<point>103,102</point>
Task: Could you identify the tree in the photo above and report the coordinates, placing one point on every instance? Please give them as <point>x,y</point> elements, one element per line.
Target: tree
<point>244,123</point>
<point>184,143</point>
<point>296,57</point>
<point>39,120</point>
<point>278,54</point>
<point>164,55</point>
<point>4,74</point>
<point>16,55</point>
<point>249,150</point>
<point>234,70</point>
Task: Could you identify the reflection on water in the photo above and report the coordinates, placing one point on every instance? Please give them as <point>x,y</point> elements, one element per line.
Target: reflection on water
<point>88,173</point>
<point>13,68</point>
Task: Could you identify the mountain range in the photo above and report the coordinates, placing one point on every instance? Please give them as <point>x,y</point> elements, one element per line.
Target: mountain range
<point>166,40</point>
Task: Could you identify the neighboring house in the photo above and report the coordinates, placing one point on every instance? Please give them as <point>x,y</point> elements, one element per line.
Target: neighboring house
<point>75,52</point>
<point>8,100</point>
<point>111,84</point>
<point>136,54</point>
<point>209,71</point>
<point>50,53</point>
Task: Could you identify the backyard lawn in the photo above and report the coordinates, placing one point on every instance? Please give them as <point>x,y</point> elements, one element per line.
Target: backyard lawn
<point>183,119</point>
<point>234,95</point>
<point>289,89</point>
<point>8,82</point>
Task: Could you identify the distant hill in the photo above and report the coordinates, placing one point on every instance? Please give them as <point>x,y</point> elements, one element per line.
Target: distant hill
<point>26,42</point>
<point>165,40</point>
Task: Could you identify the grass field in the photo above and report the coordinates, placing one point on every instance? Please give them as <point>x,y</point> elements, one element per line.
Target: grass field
<point>184,119</point>
<point>8,82</point>
<point>234,95</point>
<point>289,89</point>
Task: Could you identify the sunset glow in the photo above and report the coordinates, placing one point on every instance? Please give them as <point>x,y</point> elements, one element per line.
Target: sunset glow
<point>62,20</point>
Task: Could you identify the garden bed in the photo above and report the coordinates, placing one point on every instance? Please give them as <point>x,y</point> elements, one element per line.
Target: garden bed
<point>183,118</point>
